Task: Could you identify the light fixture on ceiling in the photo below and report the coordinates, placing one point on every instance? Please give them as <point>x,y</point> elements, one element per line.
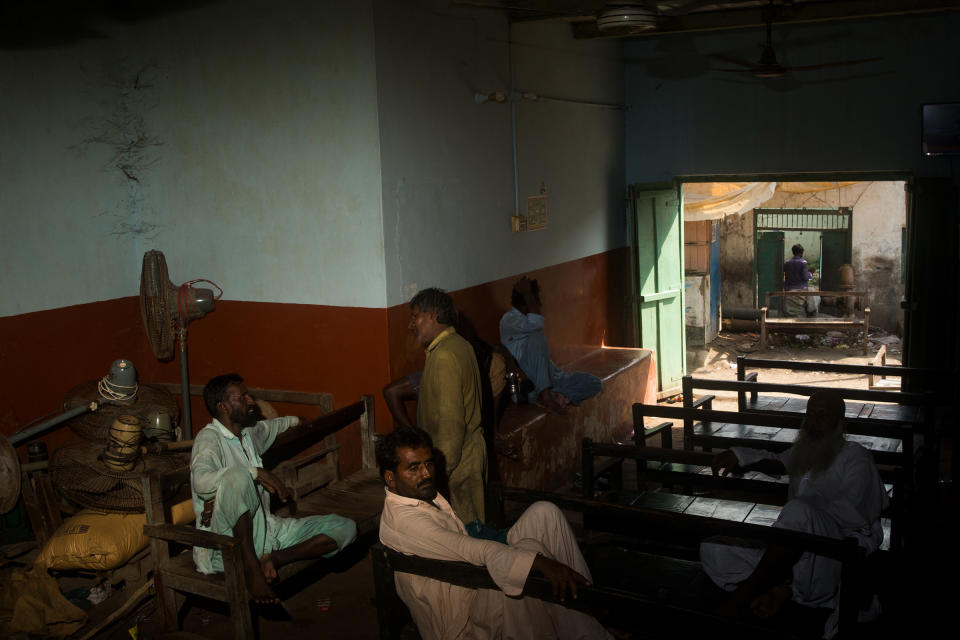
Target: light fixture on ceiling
<point>627,15</point>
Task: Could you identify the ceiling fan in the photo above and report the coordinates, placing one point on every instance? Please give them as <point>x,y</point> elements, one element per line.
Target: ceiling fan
<point>768,66</point>
<point>613,17</point>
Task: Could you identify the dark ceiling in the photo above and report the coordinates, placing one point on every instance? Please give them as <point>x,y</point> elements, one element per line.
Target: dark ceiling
<point>707,15</point>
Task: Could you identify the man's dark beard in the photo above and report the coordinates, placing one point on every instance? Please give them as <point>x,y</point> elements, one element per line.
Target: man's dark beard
<point>247,417</point>
<point>427,490</point>
<point>815,453</point>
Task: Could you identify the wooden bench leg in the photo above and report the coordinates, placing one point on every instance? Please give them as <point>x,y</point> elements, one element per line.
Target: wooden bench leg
<point>385,593</point>
<point>237,592</point>
<point>166,604</point>
<point>866,328</point>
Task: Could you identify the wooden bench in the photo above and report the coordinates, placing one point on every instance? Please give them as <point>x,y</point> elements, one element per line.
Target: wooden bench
<point>359,497</point>
<point>894,433</point>
<point>908,378</point>
<point>813,324</point>
<point>922,405</point>
<point>656,593</point>
<point>682,481</point>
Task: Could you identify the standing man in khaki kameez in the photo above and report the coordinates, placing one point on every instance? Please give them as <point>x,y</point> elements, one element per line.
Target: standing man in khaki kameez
<point>448,407</point>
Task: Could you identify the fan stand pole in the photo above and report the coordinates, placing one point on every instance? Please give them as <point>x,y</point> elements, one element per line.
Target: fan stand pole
<point>186,423</point>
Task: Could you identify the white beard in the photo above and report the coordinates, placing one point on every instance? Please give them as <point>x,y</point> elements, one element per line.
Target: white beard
<point>815,453</point>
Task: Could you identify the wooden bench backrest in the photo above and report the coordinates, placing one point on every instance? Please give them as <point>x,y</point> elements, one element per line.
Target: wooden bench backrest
<point>823,294</point>
<point>158,488</point>
<point>925,378</point>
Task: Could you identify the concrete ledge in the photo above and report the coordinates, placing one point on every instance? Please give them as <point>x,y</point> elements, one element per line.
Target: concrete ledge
<point>549,445</point>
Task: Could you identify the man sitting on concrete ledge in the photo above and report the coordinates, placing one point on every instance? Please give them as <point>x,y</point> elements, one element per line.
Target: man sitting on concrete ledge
<point>521,332</point>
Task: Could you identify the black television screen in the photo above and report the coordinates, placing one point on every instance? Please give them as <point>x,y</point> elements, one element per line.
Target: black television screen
<point>941,129</point>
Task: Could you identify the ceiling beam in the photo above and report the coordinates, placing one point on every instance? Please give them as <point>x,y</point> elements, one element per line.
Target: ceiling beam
<point>785,14</point>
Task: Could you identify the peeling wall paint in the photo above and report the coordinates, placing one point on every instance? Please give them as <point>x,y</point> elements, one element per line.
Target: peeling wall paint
<point>239,138</point>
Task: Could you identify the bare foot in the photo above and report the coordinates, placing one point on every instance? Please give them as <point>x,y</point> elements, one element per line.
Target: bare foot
<point>561,399</point>
<point>547,401</point>
<point>768,604</point>
<point>260,591</point>
<point>269,568</point>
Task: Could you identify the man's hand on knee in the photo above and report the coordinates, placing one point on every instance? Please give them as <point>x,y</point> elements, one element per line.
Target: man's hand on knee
<point>723,463</point>
<point>273,484</point>
<point>560,576</point>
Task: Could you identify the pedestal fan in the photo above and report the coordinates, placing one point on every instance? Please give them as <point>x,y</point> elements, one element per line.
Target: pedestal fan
<point>167,309</point>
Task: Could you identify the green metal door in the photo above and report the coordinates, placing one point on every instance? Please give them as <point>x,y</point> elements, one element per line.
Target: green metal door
<point>769,266</point>
<point>834,252</point>
<point>658,281</point>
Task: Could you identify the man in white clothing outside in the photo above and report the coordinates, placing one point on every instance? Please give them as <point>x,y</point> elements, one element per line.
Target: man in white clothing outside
<point>835,491</point>
<point>418,520</point>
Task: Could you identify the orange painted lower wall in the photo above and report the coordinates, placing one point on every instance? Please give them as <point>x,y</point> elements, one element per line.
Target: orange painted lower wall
<point>346,351</point>
<point>45,354</point>
<point>585,302</point>
<point>339,350</point>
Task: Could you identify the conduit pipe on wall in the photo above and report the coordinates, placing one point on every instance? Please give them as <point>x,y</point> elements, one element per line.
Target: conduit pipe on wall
<point>500,97</point>
<point>513,97</point>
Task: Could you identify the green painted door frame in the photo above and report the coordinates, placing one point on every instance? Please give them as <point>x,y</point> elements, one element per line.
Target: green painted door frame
<point>768,247</point>
<point>657,299</point>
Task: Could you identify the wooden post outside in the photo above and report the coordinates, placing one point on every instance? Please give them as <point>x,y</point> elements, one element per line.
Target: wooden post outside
<point>763,327</point>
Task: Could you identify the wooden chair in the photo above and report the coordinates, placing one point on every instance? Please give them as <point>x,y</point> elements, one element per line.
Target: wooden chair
<point>174,570</point>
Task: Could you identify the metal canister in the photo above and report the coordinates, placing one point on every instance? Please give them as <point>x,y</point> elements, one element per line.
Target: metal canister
<point>37,451</point>
<point>513,386</point>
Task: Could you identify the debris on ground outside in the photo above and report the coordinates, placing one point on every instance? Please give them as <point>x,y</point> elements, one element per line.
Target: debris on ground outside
<point>842,346</point>
<point>746,347</point>
<point>802,337</point>
<point>836,334</point>
<point>674,399</point>
<point>890,339</point>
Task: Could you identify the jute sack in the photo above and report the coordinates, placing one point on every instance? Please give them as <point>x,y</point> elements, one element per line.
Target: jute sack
<point>97,540</point>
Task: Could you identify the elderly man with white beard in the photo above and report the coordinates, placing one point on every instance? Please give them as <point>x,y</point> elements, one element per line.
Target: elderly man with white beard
<point>835,491</point>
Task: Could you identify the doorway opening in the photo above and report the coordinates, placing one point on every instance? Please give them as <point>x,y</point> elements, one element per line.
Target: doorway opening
<point>738,236</point>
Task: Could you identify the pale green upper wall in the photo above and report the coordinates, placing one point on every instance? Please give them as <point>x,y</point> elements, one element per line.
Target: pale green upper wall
<point>254,163</point>
<point>447,167</point>
<point>301,152</point>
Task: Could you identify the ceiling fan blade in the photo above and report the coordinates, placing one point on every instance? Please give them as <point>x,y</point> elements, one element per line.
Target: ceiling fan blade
<point>686,8</point>
<point>828,65</point>
<point>538,10</point>
<point>733,60</point>
<point>750,71</point>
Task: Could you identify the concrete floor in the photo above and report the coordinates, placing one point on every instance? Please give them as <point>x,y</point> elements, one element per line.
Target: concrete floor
<point>337,605</point>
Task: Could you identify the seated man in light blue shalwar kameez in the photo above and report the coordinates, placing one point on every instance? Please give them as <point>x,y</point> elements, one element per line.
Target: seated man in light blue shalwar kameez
<point>231,490</point>
<point>521,332</point>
